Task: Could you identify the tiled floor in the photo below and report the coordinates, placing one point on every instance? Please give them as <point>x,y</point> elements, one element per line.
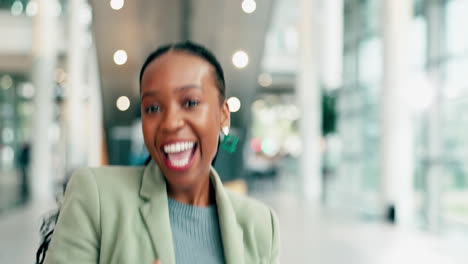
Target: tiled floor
<point>310,234</point>
<point>10,193</point>
<point>19,233</point>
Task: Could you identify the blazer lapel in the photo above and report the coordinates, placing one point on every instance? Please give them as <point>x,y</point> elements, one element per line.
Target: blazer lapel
<point>231,232</point>
<point>156,214</point>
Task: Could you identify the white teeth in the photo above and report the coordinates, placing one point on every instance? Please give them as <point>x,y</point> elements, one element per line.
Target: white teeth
<point>180,163</point>
<point>178,147</point>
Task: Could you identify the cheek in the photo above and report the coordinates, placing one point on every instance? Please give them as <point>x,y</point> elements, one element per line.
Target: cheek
<point>211,133</point>
<point>210,144</point>
<point>148,133</point>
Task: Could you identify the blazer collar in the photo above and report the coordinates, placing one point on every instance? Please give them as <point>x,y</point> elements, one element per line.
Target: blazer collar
<point>231,232</point>
<point>155,213</point>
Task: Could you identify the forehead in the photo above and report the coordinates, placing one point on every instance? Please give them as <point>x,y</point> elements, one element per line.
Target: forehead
<point>175,69</point>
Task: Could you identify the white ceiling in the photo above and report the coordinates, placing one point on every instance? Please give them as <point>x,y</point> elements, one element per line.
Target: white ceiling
<point>140,26</point>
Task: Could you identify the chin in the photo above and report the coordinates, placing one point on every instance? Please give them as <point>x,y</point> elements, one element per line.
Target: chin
<point>181,180</point>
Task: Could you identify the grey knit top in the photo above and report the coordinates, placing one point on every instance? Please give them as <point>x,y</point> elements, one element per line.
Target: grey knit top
<point>195,232</point>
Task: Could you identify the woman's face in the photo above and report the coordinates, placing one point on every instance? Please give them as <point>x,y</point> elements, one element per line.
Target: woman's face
<point>182,116</point>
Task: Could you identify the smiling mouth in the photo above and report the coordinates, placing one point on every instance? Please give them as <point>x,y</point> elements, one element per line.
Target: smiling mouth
<point>180,155</point>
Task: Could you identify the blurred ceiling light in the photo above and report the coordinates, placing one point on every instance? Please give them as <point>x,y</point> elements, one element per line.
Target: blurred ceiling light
<point>293,145</point>
<point>240,59</point>
<point>120,57</point>
<point>7,154</point>
<point>16,8</point>
<point>32,8</point>
<point>123,103</point>
<point>267,116</point>
<point>270,147</point>
<point>234,104</point>
<point>292,112</point>
<point>258,105</point>
<point>256,144</point>
<point>249,6</point>
<point>26,90</point>
<point>116,4</point>
<point>264,79</point>
<point>6,82</point>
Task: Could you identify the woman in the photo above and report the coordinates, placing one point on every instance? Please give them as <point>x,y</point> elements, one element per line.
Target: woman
<point>175,209</point>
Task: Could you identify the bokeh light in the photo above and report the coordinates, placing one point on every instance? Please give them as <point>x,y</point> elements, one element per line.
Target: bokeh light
<point>117,4</point>
<point>240,59</point>
<point>123,103</point>
<point>265,79</point>
<point>120,57</point>
<point>270,147</point>
<point>32,8</point>
<point>6,82</point>
<point>234,104</point>
<point>256,144</point>
<point>26,90</point>
<point>17,8</point>
<point>249,6</point>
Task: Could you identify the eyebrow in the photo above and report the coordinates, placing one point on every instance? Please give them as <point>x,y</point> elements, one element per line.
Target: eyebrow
<point>189,86</point>
<point>178,89</point>
<point>150,93</point>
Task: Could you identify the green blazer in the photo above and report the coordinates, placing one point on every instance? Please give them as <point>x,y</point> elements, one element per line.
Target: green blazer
<point>120,215</point>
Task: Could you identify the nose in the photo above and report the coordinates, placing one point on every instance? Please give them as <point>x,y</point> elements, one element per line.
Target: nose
<point>172,121</point>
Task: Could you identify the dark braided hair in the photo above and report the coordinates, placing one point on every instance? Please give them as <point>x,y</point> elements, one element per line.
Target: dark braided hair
<point>193,49</point>
<point>48,225</point>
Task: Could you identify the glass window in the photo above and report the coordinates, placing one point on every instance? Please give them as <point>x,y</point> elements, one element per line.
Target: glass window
<point>370,60</point>
<point>457,20</point>
<point>455,153</point>
<point>370,15</point>
<point>419,43</point>
<point>456,84</point>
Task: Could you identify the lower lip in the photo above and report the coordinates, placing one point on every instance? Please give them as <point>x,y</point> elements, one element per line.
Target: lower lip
<point>174,168</point>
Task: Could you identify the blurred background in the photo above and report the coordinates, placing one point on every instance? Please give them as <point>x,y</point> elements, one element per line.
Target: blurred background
<point>352,115</point>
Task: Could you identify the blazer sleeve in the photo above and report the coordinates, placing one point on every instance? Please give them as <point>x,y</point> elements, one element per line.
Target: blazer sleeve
<point>275,245</point>
<point>77,233</point>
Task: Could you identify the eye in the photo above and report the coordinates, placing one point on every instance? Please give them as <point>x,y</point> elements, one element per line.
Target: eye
<point>153,109</point>
<point>191,103</point>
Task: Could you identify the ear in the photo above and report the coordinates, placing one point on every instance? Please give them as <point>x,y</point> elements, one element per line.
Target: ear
<point>225,115</point>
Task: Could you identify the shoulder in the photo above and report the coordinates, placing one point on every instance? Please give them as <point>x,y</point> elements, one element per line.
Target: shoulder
<point>259,222</point>
<point>109,174</point>
<point>90,207</point>
<point>112,172</point>
<point>252,213</point>
<point>246,206</point>
<point>107,179</point>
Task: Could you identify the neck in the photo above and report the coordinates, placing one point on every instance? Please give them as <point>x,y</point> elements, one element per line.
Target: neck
<point>201,194</point>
